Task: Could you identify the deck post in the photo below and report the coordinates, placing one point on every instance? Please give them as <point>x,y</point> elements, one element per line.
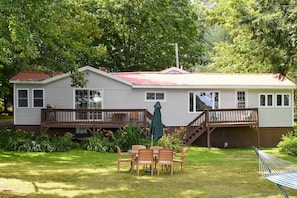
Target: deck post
<point>207,127</point>
<point>208,136</point>
<point>259,140</point>
<point>258,130</point>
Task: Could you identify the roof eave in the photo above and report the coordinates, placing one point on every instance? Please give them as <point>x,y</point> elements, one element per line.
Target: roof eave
<point>27,81</point>
<point>108,75</point>
<point>82,69</point>
<point>210,87</point>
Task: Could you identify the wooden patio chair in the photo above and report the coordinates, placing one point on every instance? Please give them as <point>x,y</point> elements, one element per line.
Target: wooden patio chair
<point>165,157</point>
<point>145,157</point>
<point>124,157</point>
<point>154,148</point>
<point>181,158</point>
<point>137,147</point>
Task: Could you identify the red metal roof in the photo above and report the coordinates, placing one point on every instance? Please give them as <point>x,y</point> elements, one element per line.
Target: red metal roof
<point>151,78</point>
<point>33,76</point>
<point>144,78</point>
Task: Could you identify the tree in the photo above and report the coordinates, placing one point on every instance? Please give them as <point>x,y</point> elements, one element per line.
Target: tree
<point>139,35</point>
<point>273,25</point>
<point>262,36</point>
<point>47,35</point>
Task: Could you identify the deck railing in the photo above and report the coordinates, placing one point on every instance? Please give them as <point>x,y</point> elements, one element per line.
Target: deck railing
<point>235,116</point>
<point>92,118</point>
<point>212,118</point>
<point>226,116</point>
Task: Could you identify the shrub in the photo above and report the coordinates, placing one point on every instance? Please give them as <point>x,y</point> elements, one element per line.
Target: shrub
<point>63,143</point>
<point>172,140</point>
<point>106,141</point>
<point>132,135</point>
<point>288,145</point>
<point>95,143</point>
<point>25,141</point>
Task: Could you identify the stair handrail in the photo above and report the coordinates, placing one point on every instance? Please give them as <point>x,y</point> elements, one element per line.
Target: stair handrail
<point>198,121</point>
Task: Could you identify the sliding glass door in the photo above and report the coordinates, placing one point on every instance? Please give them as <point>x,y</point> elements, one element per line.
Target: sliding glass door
<point>88,99</point>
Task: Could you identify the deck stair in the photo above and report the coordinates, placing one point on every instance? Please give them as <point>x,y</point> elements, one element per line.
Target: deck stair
<point>210,119</point>
<point>195,129</point>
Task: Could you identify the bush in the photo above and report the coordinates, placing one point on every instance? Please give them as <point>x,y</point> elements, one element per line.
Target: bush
<point>288,145</point>
<point>132,135</point>
<point>101,142</point>
<point>25,141</point>
<point>106,141</point>
<point>172,140</point>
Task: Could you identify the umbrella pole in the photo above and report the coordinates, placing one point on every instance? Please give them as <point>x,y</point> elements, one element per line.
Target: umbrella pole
<point>152,140</point>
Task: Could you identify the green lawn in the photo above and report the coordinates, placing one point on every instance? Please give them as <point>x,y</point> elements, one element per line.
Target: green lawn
<point>208,173</point>
<point>6,117</point>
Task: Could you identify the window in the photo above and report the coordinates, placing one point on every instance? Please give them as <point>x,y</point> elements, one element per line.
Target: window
<point>200,100</point>
<point>88,99</point>
<point>266,100</point>
<point>23,98</point>
<point>153,96</point>
<point>282,100</point>
<point>38,98</point>
<point>241,99</point>
<point>81,131</point>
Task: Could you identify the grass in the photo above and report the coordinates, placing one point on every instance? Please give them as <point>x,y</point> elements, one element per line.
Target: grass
<point>77,173</point>
<point>6,117</point>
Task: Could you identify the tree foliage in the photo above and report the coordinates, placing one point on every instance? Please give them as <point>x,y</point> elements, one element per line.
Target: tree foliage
<point>262,36</point>
<point>47,35</point>
<point>62,35</point>
<point>273,25</point>
<point>139,35</point>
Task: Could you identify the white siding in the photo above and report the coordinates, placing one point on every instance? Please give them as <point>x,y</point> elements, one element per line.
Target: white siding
<point>27,116</point>
<point>117,95</point>
<point>275,116</point>
<point>227,99</point>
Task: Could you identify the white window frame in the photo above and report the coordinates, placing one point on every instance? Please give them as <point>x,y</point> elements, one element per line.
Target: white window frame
<point>214,105</point>
<point>18,98</point>
<point>266,100</point>
<point>283,99</point>
<point>154,99</point>
<point>33,98</point>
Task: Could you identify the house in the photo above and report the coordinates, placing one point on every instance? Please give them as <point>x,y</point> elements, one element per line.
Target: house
<point>217,109</point>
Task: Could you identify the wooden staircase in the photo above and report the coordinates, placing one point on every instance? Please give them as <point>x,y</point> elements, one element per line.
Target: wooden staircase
<point>195,129</point>
<point>210,119</point>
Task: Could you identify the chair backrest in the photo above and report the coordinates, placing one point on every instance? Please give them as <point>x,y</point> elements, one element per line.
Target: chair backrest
<point>165,155</point>
<point>156,147</point>
<point>119,151</point>
<point>183,153</point>
<point>137,147</point>
<point>145,155</point>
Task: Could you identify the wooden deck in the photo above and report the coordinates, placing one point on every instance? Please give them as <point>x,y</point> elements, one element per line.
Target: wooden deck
<point>93,119</point>
<point>96,119</point>
<point>209,120</point>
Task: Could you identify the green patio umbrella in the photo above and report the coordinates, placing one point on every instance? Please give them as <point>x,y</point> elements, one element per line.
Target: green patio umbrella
<point>156,130</point>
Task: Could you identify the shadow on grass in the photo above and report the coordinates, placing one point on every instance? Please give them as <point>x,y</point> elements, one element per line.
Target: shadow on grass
<point>208,173</point>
